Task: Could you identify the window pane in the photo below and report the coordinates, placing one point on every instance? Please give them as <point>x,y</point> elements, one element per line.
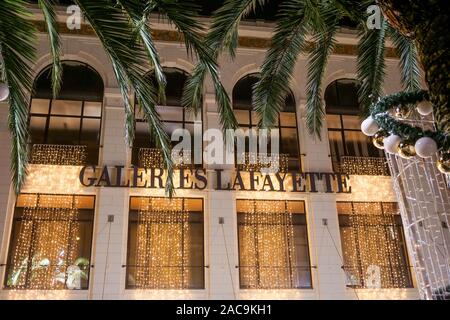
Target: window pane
<point>165,244</point>
<point>66,108</point>
<point>333,121</point>
<point>357,144</point>
<point>40,106</point>
<point>352,122</point>
<point>289,142</point>
<point>63,130</point>
<point>336,145</point>
<point>34,262</point>
<point>288,119</point>
<point>273,248</point>
<point>92,109</point>
<point>242,117</point>
<point>37,129</point>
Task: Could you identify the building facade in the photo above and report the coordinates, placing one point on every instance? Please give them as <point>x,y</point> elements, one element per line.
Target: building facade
<point>63,238</point>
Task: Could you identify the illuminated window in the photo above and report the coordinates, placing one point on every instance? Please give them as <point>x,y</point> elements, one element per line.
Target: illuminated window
<point>287,120</point>
<point>373,245</point>
<point>165,244</point>
<point>66,130</point>
<point>347,142</point>
<point>173,116</point>
<point>273,245</point>
<point>50,244</point>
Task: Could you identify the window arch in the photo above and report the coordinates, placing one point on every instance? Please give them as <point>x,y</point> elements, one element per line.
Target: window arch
<point>172,115</point>
<point>72,121</point>
<point>287,120</point>
<point>344,124</point>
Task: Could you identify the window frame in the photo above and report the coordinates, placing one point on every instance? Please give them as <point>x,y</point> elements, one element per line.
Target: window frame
<point>48,116</point>
<point>203,266</point>
<point>278,126</point>
<point>402,243</point>
<point>13,229</point>
<point>183,122</point>
<point>310,267</point>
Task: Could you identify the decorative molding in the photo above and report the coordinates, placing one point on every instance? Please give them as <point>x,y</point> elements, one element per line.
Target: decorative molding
<point>244,41</point>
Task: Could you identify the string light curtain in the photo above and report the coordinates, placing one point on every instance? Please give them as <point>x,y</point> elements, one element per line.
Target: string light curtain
<point>273,247</point>
<point>424,198</point>
<point>160,246</point>
<point>373,245</point>
<point>47,250</point>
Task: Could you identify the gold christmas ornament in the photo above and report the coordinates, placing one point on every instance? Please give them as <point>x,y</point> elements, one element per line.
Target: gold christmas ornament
<point>378,139</point>
<point>443,163</point>
<point>402,112</point>
<point>406,150</point>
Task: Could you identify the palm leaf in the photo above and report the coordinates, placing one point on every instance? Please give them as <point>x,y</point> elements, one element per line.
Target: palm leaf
<point>325,43</point>
<point>371,65</point>
<point>114,30</point>
<point>409,61</point>
<point>184,16</point>
<point>17,40</point>
<point>276,72</point>
<point>55,42</point>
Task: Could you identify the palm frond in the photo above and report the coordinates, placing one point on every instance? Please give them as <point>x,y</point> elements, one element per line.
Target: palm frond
<point>225,25</point>
<point>55,42</point>
<point>371,65</point>
<point>185,18</point>
<point>409,60</point>
<point>138,12</point>
<point>288,41</point>
<point>114,30</point>
<point>17,40</point>
<point>325,43</point>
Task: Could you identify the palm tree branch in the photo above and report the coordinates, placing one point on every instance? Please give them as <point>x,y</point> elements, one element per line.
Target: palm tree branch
<point>55,42</point>
<point>18,53</point>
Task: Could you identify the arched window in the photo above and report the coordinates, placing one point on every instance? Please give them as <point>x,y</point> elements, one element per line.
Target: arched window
<point>68,127</point>
<point>347,142</point>
<point>172,114</point>
<point>287,120</point>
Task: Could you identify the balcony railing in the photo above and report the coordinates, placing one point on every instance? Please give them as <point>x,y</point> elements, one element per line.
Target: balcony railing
<point>361,166</point>
<point>153,158</point>
<point>264,162</point>
<point>63,155</point>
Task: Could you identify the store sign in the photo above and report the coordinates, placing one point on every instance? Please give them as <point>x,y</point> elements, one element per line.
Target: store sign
<point>218,179</point>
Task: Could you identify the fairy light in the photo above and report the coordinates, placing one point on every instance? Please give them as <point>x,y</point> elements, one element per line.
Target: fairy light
<point>67,155</point>
<point>153,158</point>
<point>261,161</point>
<point>162,251</point>
<point>266,245</point>
<point>372,242</point>
<point>372,166</point>
<point>45,245</point>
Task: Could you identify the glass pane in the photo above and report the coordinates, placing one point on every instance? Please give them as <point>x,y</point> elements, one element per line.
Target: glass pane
<point>63,130</point>
<point>91,130</point>
<point>336,145</point>
<point>92,109</point>
<point>255,118</point>
<point>287,119</point>
<point>242,117</point>
<point>333,121</point>
<point>289,142</point>
<point>170,113</point>
<point>65,107</point>
<point>37,129</point>
<point>142,136</point>
<point>352,122</point>
<point>40,106</point>
<point>357,144</point>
